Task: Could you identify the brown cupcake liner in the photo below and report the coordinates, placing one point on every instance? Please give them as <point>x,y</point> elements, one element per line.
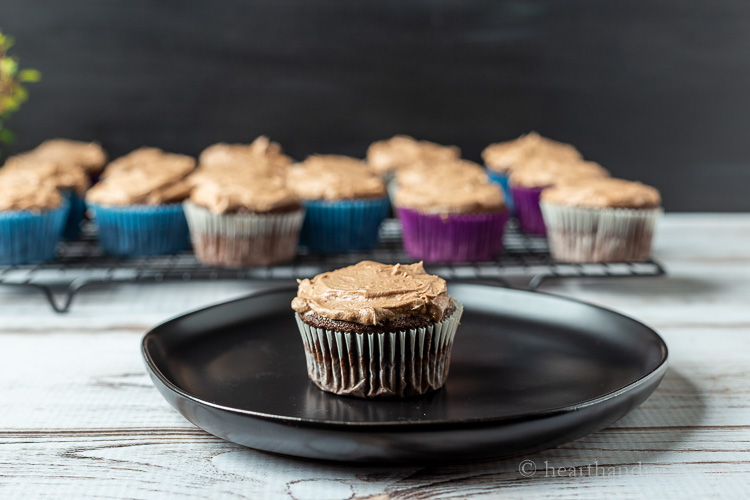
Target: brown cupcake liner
<point>243,239</point>
<point>583,234</point>
<point>375,365</point>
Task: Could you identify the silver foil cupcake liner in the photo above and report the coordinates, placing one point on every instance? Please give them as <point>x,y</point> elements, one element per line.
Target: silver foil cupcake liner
<point>243,239</point>
<point>375,365</point>
<point>583,234</point>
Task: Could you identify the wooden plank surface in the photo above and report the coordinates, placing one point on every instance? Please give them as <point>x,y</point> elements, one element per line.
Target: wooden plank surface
<point>79,416</point>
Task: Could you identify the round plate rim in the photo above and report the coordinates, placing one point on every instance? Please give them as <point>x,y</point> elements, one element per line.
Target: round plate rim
<point>153,369</point>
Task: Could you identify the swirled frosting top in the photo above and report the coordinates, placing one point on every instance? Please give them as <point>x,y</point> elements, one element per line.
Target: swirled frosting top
<point>220,192</point>
<point>369,293</point>
<point>453,171</point>
<point>543,173</point>
<point>147,176</point>
<point>451,198</point>
<point>88,155</point>
<point>19,194</point>
<point>261,152</point>
<point>334,177</point>
<point>39,171</point>
<point>401,151</point>
<point>506,156</point>
<point>603,193</point>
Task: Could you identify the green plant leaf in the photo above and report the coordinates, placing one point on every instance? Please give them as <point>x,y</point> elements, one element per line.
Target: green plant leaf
<point>29,75</point>
<point>6,136</point>
<point>8,66</point>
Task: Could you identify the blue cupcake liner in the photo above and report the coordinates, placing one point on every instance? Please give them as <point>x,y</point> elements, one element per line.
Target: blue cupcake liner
<point>76,215</point>
<point>343,225</point>
<point>28,237</point>
<point>503,180</point>
<point>142,230</point>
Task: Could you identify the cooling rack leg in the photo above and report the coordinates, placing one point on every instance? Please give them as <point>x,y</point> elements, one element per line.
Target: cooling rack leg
<point>59,302</point>
<point>50,295</point>
<point>537,281</point>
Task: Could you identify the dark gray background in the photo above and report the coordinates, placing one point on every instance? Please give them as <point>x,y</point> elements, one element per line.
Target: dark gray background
<point>655,91</point>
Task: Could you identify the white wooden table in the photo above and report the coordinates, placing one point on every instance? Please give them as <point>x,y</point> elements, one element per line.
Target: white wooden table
<point>80,418</point>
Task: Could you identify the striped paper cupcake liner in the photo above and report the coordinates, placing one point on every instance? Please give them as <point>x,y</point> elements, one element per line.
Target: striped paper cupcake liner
<point>502,179</point>
<point>452,237</point>
<point>375,365</point>
<point>29,237</point>
<point>529,214</point>
<point>582,234</point>
<point>75,216</point>
<point>243,239</point>
<point>343,226</point>
<point>141,230</point>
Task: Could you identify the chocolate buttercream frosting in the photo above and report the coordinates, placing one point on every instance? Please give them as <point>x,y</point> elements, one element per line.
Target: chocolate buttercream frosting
<point>543,173</point>
<point>506,156</point>
<point>88,155</point>
<point>603,193</point>
<point>39,171</point>
<point>334,177</point>
<point>147,176</point>
<point>451,198</point>
<point>401,151</point>
<point>370,293</point>
<point>18,194</point>
<point>224,193</point>
<point>262,152</point>
<point>453,171</point>
<point>151,159</point>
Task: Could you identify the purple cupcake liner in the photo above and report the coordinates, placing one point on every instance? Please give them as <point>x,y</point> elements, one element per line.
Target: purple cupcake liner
<point>452,237</point>
<point>528,212</point>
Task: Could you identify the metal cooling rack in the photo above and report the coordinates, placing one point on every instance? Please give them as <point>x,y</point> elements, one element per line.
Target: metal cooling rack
<point>82,264</point>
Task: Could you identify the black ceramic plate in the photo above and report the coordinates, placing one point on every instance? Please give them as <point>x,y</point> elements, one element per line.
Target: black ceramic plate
<point>529,371</point>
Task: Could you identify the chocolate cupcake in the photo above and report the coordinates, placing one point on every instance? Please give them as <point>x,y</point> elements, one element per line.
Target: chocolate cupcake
<point>32,218</point>
<point>137,205</point>
<point>242,219</point>
<point>453,219</point>
<point>387,157</point>
<point>69,178</point>
<point>528,182</point>
<point>502,157</point>
<point>345,203</point>
<point>373,330</point>
<point>601,220</point>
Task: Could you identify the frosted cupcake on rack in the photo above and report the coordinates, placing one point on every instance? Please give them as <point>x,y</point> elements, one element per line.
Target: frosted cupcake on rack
<point>601,220</point>
<point>68,156</point>
<point>528,182</point>
<point>242,218</point>
<point>32,219</point>
<point>137,205</point>
<point>345,203</point>
<point>69,178</point>
<point>387,157</point>
<point>455,218</point>
<point>374,330</point>
<point>502,157</point>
